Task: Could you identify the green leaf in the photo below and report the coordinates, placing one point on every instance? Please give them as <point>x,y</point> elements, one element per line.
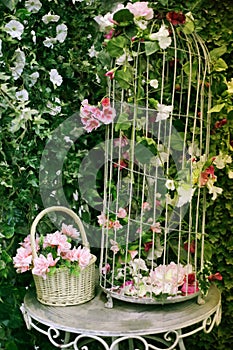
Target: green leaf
<point>151,47</point>
<point>215,54</point>
<point>124,77</point>
<point>216,108</point>
<point>115,46</point>
<point>220,65</point>
<point>123,122</point>
<point>123,17</point>
<point>11,4</point>
<point>191,69</point>
<point>189,26</point>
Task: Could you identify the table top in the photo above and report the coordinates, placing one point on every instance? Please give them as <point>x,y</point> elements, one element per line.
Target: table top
<point>93,318</point>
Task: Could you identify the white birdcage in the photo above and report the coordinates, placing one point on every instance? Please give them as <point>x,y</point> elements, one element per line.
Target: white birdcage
<point>156,163</point>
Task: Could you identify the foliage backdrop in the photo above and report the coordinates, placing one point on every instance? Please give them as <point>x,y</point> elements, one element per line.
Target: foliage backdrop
<point>24,135</point>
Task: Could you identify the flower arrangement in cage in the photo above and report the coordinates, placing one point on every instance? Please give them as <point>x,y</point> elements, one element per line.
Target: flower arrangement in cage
<point>158,170</point>
<point>63,268</point>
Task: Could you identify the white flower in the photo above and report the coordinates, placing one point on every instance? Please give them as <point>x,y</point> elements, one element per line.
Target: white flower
<point>221,160</point>
<point>75,194</point>
<point>14,29</point>
<point>33,33</point>
<point>185,193</point>
<point>55,77</point>
<point>50,18</point>
<point>33,78</point>
<point>193,149</point>
<point>141,23</point>
<point>19,64</point>
<point>53,109</point>
<point>162,36</point>
<point>123,58</point>
<point>22,95</point>
<point>67,139</point>
<point>1,54</point>
<point>214,190</point>
<point>138,264</point>
<point>61,31</point>
<point>230,174</point>
<point>92,51</point>
<point>49,42</point>
<point>154,83</point>
<point>33,5</point>
<point>104,21</point>
<point>163,112</point>
<point>170,185</point>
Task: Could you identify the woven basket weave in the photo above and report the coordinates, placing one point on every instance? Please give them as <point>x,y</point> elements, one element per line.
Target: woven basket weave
<point>64,288</point>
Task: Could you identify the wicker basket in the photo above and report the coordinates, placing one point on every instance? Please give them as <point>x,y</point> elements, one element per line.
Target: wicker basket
<point>63,288</point>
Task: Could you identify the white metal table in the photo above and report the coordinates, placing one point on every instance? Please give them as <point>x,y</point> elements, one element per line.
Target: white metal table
<point>156,327</point>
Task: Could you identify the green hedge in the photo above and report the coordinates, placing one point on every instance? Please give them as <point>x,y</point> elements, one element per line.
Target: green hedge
<point>23,139</point>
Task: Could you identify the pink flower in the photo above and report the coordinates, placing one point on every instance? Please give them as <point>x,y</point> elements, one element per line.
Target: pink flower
<point>27,243</point>
<point>115,248</point>
<point>190,285</point>
<point>42,264</point>
<point>215,277</point>
<point>121,142</point>
<point>92,116</point>
<point>110,34</point>
<point>92,124</point>
<point>102,220</point>
<point>122,213</point>
<point>107,115</point>
<point>106,269</point>
<point>105,102</point>
<point>84,256</point>
<point>110,74</point>
<point>148,246</point>
<point>156,227</point>
<point>191,248</point>
<point>133,253</point>
<point>57,239</point>
<point>71,255</point>
<point>146,206</point>
<point>141,9</point>
<point>122,164</point>
<point>70,231</point>
<point>23,259</point>
<point>117,225</point>
<point>175,17</point>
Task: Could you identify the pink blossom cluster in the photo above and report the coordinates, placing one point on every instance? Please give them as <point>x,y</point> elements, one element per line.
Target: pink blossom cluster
<point>93,117</point>
<point>53,248</point>
<point>115,224</point>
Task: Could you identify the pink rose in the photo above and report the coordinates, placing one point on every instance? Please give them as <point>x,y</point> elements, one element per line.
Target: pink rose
<point>42,264</point>
<point>57,239</point>
<point>70,231</point>
<point>141,9</point>
<point>84,256</point>
<point>23,259</point>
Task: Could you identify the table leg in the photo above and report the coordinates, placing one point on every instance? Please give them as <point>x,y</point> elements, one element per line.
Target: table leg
<point>67,337</point>
<point>181,341</point>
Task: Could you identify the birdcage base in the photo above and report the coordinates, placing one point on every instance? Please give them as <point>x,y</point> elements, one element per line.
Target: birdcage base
<point>148,300</point>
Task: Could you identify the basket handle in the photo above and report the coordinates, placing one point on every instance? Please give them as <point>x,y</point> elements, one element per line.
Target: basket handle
<point>49,210</point>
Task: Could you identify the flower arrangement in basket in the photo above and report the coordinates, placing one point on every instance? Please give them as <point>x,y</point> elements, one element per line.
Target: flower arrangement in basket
<point>64,273</point>
<point>159,172</point>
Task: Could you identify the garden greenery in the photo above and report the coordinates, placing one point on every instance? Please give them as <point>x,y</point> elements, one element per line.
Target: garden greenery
<point>49,64</point>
